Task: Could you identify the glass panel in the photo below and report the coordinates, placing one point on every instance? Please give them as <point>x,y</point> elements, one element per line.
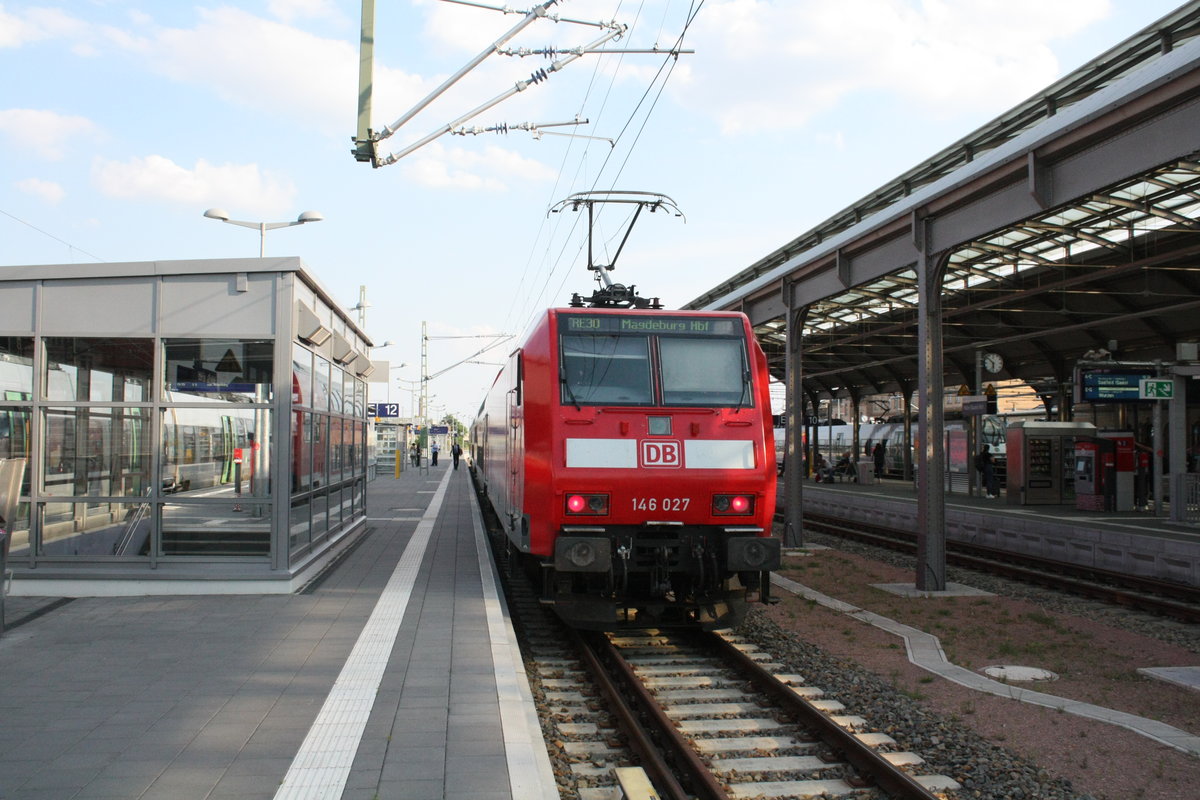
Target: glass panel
<point>337,381</point>
<point>16,368</point>
<point>321,387</point>
<point>95,529</point>
<point>320,452</point>
<point>302,462</point>
<point>299,523</point>
<point>335,450</point>
<point>15,438</point>
<point>102,370</point>
<point>360,398</point>
<point>96,451</point>
<point>302,376</point>
<point>358,464</point>
<point>704,372</point>
<point>320,521</point>
<point>348,392</point>
<point>200,451</point>
<point>336,500</point>
<point>219,370</point>
<point>219,529</point>
<point>18,538</point>
<point>605,370</point>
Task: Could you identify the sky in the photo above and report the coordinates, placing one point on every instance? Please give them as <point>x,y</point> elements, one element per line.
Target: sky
<point>121,122</point>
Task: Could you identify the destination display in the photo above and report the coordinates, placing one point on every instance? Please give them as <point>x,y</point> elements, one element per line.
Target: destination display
<point>615,323</point>
<point>1112,385</point>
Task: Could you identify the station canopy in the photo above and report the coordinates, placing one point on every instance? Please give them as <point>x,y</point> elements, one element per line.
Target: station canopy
<point>1110,276</point>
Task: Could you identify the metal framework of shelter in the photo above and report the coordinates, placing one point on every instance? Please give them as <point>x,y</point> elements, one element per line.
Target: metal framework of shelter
<point>1066,223</point>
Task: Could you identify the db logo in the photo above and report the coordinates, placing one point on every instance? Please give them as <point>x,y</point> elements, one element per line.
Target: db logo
<point>660,453</point>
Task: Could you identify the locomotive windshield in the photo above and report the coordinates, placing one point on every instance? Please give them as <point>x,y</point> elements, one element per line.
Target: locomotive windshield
<point>606,369</point>
<point>707,372</point>
<point>645,361</point>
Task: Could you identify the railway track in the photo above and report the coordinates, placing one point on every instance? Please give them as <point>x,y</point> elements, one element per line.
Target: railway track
<point>1173,600</point>
<point>705,716</point>
<point>734,725</point>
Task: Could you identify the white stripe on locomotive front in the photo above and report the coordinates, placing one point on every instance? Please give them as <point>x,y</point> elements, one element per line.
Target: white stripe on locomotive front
<point>623,454</point>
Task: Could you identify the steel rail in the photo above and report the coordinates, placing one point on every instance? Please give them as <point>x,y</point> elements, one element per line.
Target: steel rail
<point>593,649</point>
<point>597,651</point>
<point>869,762</point>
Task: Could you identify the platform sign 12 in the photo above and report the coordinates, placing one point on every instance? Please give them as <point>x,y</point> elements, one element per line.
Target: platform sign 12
<point>383,409</point>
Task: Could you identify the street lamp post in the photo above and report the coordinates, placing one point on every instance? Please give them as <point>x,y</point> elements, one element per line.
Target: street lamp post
<point>390,369</point>
<point>263,227</point>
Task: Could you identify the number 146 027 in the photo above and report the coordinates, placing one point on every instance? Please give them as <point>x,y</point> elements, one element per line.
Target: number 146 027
<point>661,503</point>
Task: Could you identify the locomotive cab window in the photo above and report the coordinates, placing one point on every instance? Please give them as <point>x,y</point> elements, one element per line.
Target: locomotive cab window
<point>605,369</point>
<point>705,372</point>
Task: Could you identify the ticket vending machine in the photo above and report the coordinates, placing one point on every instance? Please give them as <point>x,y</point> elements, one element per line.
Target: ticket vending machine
<point>1041,461</point>
<point>1095,474</point>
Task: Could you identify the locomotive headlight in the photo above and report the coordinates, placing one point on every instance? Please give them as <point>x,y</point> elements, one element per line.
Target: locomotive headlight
<point>752,553</point>
<point>733,504</point>
<point>594,504</point>
<point>582,554</point>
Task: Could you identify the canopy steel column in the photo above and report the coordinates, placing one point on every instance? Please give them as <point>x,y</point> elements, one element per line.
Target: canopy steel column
<point>793,535</point>
<point>931,488</point>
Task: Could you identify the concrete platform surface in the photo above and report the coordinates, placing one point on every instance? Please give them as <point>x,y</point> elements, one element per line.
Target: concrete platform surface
<point>395,675</point>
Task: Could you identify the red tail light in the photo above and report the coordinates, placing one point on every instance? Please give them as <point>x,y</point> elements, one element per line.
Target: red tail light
<point>733,505</point>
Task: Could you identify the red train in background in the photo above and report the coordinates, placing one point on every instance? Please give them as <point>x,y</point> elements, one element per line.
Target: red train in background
<point>629,455</point>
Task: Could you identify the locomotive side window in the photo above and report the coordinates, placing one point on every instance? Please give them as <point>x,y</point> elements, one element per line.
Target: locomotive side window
<point>604,369</point>
<point>704,372</point>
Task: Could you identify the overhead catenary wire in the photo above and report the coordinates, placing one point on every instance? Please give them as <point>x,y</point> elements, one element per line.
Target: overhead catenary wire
<point>535,300</point>
<point>52,236</point>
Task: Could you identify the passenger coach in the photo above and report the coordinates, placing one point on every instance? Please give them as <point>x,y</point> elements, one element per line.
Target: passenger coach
<point>630,455</point>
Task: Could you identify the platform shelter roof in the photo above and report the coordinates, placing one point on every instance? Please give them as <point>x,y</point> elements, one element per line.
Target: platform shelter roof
<point>1064,231</point>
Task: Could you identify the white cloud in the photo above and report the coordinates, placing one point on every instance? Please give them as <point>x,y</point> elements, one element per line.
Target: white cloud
<point>288,10</point>
<point>46,133</point>
<point>491,168</point>
<point>264,64</point>
<point>259,63</point>
<point>49,191</point>
<point>37,24</point>
<point>259,192</point>
<point>946,55</point>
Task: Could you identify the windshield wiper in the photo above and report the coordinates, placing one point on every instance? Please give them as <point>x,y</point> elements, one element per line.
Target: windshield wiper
<point>562,378</point>
<point>744,397</point>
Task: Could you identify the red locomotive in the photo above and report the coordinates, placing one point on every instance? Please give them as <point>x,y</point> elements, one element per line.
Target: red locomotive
<point>629,454</point>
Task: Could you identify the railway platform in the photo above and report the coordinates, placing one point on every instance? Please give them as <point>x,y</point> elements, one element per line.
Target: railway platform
<point>1135,542</point>
<point>395,674</point>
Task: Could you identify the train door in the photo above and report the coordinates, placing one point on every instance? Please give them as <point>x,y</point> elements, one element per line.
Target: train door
<point>515,433</point>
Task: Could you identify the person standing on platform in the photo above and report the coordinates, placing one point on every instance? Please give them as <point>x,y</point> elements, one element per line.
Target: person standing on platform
<point>455,452</point>
<point>879,454</point>
<point>433,451</point>
<point>987,468</point>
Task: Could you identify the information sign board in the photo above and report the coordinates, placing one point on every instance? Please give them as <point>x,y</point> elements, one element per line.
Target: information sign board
<point>383,409</point>
<point>1112,385</point>
<point>974,405</point>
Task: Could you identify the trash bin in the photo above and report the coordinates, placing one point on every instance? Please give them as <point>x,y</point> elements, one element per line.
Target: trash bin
<point>865,471</point>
